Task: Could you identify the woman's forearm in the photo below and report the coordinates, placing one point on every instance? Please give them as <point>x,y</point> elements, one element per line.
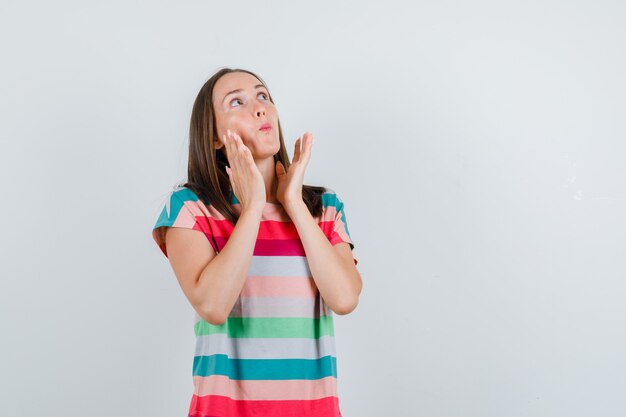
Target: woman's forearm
<point>338,282</point>
<point>223,278</point>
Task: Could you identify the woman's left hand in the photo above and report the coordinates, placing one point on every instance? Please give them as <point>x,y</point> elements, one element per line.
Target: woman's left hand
<point>289,189</point>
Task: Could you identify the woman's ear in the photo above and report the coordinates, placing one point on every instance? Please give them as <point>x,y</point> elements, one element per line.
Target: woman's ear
<point>217,143</point>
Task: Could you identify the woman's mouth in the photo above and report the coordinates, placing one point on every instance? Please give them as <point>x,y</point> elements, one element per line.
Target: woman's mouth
<point>265,127</point>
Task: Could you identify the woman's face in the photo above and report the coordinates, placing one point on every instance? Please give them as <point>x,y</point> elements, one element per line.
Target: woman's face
<point>241,104</point>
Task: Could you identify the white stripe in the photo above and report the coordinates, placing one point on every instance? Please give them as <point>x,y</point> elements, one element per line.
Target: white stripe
<point>265,348</point>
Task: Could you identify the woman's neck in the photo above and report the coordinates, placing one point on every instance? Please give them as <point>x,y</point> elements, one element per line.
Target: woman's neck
<point>268,171</point>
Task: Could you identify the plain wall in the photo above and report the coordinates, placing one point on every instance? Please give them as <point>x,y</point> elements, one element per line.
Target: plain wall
<point>479,148</point>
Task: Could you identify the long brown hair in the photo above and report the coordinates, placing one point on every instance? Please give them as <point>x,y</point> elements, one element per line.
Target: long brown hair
<point>206,172</point>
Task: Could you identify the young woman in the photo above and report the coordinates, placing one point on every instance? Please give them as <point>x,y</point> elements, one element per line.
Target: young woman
<point>264,260</point>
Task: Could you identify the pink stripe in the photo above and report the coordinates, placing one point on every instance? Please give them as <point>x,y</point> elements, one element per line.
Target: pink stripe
<point>277,230</point>
<point>272,247</point>
<point>292,389</point>
<point>276,224</point>
<point>329,214</point>
<point>220,406</point>
<point>275,238</point>
<point>340,236</point>
<point>284,286</point>
<point>270,212</point>
<point>268,229</point>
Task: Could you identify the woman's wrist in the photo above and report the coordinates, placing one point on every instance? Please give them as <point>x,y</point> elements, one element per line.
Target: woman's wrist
<point>253,209</point>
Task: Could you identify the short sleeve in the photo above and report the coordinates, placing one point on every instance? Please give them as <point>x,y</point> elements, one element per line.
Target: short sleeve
<point>182,208</point>
<point>340,231</point>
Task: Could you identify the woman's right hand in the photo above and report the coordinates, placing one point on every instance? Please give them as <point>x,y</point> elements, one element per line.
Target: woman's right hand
<point>245,177</point>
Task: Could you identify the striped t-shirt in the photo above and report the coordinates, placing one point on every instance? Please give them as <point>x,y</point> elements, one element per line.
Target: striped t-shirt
<point>275,354</point>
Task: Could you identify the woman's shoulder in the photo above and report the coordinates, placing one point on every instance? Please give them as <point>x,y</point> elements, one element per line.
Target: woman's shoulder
<point>330,197</point>
<point>183,196</point>
<point>184,193</point>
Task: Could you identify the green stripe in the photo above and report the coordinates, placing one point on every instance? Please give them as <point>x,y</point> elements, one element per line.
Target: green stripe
<point>269,327</point>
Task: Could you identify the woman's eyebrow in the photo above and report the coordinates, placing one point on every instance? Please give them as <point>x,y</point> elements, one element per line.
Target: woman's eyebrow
<point>239,90</point>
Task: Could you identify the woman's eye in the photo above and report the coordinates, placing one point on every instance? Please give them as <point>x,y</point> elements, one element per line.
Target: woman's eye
<point>238,99</point>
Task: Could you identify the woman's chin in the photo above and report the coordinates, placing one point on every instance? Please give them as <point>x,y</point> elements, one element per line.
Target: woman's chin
<point>262,152</point>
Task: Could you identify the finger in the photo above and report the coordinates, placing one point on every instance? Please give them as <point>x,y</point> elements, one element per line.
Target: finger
<point>244,154</point>
<point>280,169</point>
<point>228,141</point>
<point>234,146</point>
<point>239,142</point>
<point>307,148</point>
<point>303,148</point>
<point>244,159</point>
<point>223,140</point>
<point>233,152</point>
<point>296,151</point>
<point>229,152</point>
<point>235,140</point>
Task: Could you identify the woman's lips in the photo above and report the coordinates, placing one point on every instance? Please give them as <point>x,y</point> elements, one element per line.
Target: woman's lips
<point>266,127</point>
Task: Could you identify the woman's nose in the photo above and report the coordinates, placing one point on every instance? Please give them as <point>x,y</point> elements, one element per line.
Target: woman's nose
<point>260,110</point>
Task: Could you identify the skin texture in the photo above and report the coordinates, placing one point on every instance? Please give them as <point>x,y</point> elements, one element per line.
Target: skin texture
<point>212,282</point>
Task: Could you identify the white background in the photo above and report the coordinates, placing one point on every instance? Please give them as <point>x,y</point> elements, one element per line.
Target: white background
<point>479,148</point>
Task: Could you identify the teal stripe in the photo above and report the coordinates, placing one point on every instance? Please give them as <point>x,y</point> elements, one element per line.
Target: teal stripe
<point>266,327</point>
<point>332,199</point>
<point>233,198</point>
<point>186,194</point>
<point>177,200</point>
<point>270,369</point>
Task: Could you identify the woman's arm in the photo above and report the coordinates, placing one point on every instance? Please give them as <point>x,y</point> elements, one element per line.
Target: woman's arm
<point>213,282</point>
<point>332,267</point>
